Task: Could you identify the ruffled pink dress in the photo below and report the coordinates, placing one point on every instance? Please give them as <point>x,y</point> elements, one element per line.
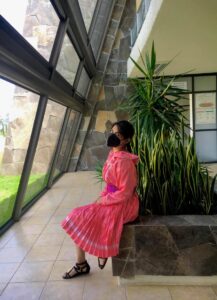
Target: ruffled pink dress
<point>96,228</point>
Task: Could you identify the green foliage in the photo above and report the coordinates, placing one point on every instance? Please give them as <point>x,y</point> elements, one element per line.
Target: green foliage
<point>8,191</point>
<point>3,127</point>
<point>171,180</point>
<point>153,102</point>
<point>98,170</point>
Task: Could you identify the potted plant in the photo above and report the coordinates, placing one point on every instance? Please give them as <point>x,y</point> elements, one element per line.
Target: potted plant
<point>175,190</point>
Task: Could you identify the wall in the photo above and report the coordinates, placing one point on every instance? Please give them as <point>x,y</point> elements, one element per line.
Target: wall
<point>108,90</point>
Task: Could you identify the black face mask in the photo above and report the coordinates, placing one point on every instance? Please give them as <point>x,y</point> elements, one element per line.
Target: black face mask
<point>113,140</point>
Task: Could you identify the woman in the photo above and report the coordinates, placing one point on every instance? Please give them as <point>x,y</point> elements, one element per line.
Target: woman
<point>96,228</point>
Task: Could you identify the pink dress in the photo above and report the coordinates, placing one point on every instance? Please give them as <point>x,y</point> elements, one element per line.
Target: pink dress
<point>96,228</point>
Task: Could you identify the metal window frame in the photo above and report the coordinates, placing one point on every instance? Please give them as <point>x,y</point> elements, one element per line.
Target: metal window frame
<point>27,68</point>
<point>74,134</point>
<point>58,148</point>
<point>29,157</point>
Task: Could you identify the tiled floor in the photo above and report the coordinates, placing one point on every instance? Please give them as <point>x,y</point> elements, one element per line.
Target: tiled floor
<point>35,252</point>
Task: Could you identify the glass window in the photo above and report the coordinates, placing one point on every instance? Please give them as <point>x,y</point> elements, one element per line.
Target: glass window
<point>83,83</point>
<point>204,83</point>
<point>87,9</point>
<point>183,83</point>
<point>17,113</point>
<point>66,144</point>
<point>205,111</point>
<point>36,21</point>
<point>50,131</point>
<point>68,61</point>
<point>206,142</point>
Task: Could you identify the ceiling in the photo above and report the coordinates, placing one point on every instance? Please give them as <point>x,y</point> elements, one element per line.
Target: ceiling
<point>185,30</point>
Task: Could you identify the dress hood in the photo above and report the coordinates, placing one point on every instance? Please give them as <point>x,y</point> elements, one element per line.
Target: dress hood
<point>126,155</point>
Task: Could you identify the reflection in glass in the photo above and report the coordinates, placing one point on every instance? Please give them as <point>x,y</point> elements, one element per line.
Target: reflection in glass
<point>67,138</point>
<point>87,9</point>
<point>68,61</point>
<point>184,83</point>
<point>35,20</point>
<point>204,83</point>
<point>83,83</point>
<point>50,131</point>
<point>17,112</point>
<point>206,145</point>
<point>205,111</point>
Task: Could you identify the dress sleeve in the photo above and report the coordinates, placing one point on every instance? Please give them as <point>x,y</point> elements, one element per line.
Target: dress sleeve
<point>126,183</point>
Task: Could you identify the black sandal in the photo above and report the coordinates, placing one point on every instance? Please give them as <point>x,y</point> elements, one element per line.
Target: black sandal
<point>80,269</point>
<point>101,266</point>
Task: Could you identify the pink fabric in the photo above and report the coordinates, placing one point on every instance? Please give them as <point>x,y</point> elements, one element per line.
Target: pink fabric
<point>96,228</point>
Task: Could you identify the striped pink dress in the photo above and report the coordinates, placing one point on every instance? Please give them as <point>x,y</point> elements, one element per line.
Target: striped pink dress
<point>96,228</point>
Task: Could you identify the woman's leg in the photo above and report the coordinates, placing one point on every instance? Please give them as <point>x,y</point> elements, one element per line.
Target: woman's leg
<point>81,267</point>
<point>80,254</point>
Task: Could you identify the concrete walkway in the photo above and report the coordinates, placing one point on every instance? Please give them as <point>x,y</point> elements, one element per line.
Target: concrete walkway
<point>35,253</point>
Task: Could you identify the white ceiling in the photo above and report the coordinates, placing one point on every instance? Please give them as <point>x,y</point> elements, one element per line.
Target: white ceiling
<point>186,29</point>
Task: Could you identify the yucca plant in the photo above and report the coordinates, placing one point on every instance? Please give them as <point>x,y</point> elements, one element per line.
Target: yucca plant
<point>171,180</point>
<point>98,172</point>
<point>153,102</point>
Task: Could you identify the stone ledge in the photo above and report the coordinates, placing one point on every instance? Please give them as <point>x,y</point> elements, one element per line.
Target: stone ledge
<point>184,245</point>
<point>168,280</point>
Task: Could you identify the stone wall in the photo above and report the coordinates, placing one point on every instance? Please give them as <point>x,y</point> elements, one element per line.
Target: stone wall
<point>108,90</point>
<point>184,245</point>
<point>22,115</point>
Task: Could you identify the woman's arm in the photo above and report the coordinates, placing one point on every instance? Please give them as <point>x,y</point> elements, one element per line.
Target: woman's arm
<point>126,183</point>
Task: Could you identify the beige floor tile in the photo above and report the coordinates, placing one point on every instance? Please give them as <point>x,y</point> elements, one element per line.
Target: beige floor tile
<point>2,286</point>
<point>66,253</point>
<point>53,228</point>
<point>44,212</point>
<point>20,291</point>
<point>192,293</point>
<point>72,290</point>
<point>68,242</point>
<point>148,293</point>
<point>215,289</point>
<point>68,204</point>
<point>43,253</point>
<point>10,255</point>
<point>43,220</point>
<point>30,229</point>
<point>7,271</point>
<point>22,240</point>
<point>56,219</point>
<point>95,290</point>
<point>5,238</point>
<point>36,271</point>
<point>47,239</point>
<point>62,211</point>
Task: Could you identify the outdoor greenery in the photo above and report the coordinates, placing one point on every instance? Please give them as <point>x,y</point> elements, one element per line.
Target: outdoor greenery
<point>171,180</point>
<point>8,192</point>
<point>3,127</point>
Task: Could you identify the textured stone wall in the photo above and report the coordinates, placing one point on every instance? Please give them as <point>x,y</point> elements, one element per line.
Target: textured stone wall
<point>109,88</point>
<point>22,115</point>
<point>184,245</point>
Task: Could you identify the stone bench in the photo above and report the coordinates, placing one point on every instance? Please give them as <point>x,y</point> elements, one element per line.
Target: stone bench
<point>184,245</point>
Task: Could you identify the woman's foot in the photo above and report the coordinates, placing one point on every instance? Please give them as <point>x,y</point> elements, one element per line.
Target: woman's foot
<point>102,262</point>
<point>77,270</point>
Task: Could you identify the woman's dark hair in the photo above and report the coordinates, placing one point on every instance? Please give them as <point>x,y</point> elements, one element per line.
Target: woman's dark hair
<point>126,129</point>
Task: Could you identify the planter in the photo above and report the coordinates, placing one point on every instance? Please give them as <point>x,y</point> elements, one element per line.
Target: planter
<point>184,245</point>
